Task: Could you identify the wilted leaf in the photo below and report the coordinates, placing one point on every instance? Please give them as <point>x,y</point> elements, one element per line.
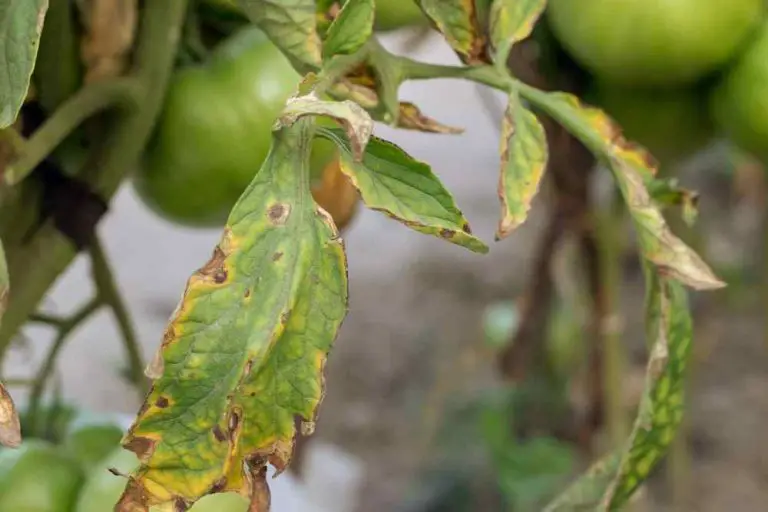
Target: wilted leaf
<point>512,21</point>
<point>632,167</point>
<point>21,23</point>
<point>391,181</point>
<point>244,352</point>
<point>351,29</point>
<point>523,160</point>
<point>411,118</point>
<point>110,29</point>
<point>291,25</point>
<point>356,121</point>
<point>457,21</point>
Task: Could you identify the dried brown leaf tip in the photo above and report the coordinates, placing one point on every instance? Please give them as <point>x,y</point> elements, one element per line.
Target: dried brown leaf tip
<point>411,118</point>
<point>110,31</point>
<point>10,428</point>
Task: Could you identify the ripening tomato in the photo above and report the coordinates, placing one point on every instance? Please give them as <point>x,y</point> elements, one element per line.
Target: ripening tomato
<point>654,42</point>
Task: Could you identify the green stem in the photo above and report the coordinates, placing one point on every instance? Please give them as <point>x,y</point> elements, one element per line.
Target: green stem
<point>487,75</point>
<point>88,101</point>
<point>66,328</point>
<point>110,294</point>
<point>36,263</point>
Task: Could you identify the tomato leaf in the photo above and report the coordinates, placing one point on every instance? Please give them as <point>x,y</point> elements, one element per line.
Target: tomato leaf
<point>523,160</point>
<point>242,358</point>
<point>668,192</point>
<point>588,490</point>
<point>391,181</point>
<point>411,118</point>
<point>21,23</point>
<point>512,21</point>
<point>351,29</point>
<point>356,121</point>
<point>632,167</point>
<point>457,21</point>
<point>291,25</point>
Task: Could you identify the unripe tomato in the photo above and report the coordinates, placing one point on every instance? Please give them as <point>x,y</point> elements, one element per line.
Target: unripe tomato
<point>215,131</point>
<point>672,124</point>
<point>394,14</point>
<point>654,42</point>
<point>740,101</point>
<point>37,477</point>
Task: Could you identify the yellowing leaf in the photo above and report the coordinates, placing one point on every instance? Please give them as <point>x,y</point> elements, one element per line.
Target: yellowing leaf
<point>512,21</point>
<point>632,167</point>
<point>242,358</point>
<point>351,29</point>
<point>523,160</point>
<point>10,428</point>
<point>291,25</point>
<point>391,181</point>
<point>457,21</point>
<point>21,23</point>
<point>411,118</point>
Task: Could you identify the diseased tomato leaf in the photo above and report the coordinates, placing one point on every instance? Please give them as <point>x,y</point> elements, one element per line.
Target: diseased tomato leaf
<point>410,117</point>
<point>632,168</point>
<point>241,361</point>
<point>588,490</point>
<point>391,181</point>
<point>457,21</point>
<point>350,30</point>
<point>21,23</point>
<point>523,160</point>
<point>512,21</point>
<point>291,25</point>
<point>10,426</point>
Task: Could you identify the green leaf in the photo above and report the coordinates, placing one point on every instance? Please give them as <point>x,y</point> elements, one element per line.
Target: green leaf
<point>356,121</point>
<point>668,192</point>
<point>457,21</point>
<point>391,181</point>
<point>351,29</point>
<point>512,21</point>
<point>241,361</point>
<point>632,167</point>
<point>291,25</point>
<point>21,23</point>
<point>523,160</point>
<point>586,493</point>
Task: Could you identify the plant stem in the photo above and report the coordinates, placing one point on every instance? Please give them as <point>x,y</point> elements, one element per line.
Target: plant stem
<point>66,328</point>
<point>488,75</point>
<point>85,103</point>
<point>110,295</point>
<point>36,263</point>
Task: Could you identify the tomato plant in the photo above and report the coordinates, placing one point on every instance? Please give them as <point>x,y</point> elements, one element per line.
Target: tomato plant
<point>263,120</point>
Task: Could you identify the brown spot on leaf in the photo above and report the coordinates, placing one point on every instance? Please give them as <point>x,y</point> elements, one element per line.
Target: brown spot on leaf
<point>179,505</point>
<point>218,485</point>
<point>218,434</point>
<point>447,233</point>
<point>278,213</point>
<point>161,402</point>
<point>234,422</point>
<point>133,499</point>
<point>247,293</point>
<point>220,276</point>
<point>143,447</point>
<point>215,264</point>
<point>466,228</point>
<point>284,316</point>
<point>277,256</point>
<point>248,367</point>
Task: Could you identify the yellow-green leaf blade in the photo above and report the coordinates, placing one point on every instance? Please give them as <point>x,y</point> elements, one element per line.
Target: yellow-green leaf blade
<point>457,21</point>
<point>291,25</point>
<point>21,23</point>
<point>511,21</point>
<point>391,181</point>
<point>242,357</point>
<point>351,29</point>
<point>632,167</point>
<point>523,160</point>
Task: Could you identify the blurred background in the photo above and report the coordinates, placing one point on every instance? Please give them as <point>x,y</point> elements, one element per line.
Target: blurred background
<point>415,416</point>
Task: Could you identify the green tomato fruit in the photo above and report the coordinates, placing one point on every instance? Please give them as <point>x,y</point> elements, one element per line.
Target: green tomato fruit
<point>38,477</point>
<point>102,489</point>
<point>654,42</point>
<point>90,444</point>
<point>215,131</point>
<point>672,124</point>
<point>394,14</point>
<point>740,102</point>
